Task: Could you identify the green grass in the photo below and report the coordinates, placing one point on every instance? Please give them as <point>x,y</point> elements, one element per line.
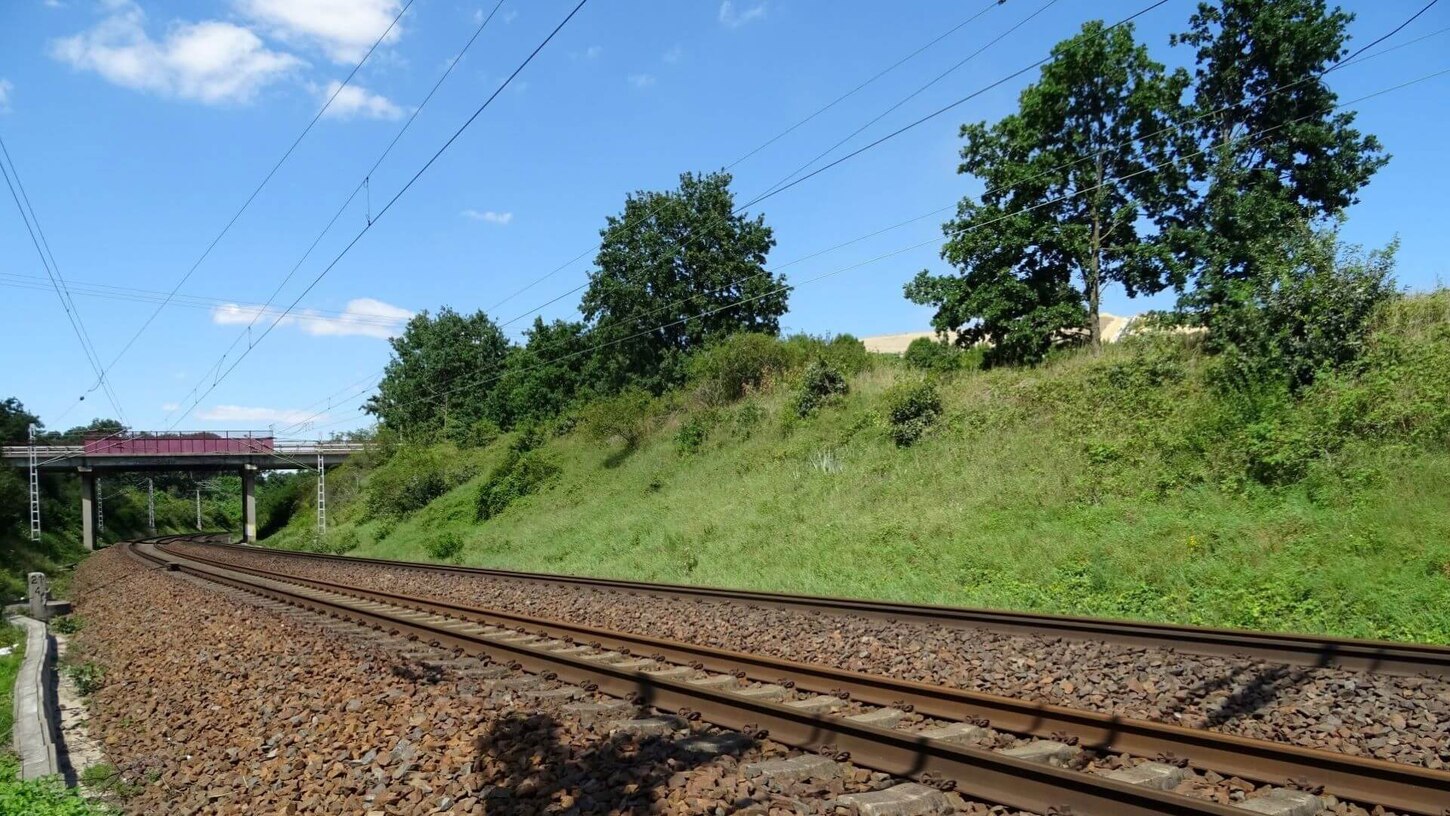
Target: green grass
<point>1112,485</point>
<point>42,797</point>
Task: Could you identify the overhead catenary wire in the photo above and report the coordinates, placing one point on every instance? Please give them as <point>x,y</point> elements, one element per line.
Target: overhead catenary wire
<point>52,271</point>
<point>258,189</point>
<point>782,185</point>
<point>1351,59</point>
<point>991,4</point>
<point>389,205</point>
<point>902,250</point>
<point>364,186</point>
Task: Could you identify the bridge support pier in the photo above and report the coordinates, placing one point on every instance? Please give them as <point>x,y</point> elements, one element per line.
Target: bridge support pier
<point>88,508</point>
<point>249,504</point>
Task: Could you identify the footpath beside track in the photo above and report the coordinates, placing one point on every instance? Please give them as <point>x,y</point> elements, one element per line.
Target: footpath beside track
<point>855,716</point>
<point>1385,657</point>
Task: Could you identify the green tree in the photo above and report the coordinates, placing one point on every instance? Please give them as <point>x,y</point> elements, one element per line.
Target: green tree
<point>671,256</point>
<point>1274,153</point>
<point>15,422</point>
<point>441,373</point>
<point>544,376</point>
<point>1076,181</point>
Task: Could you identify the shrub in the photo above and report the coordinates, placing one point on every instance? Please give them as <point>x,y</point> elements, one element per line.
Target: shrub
<point>519,475</point>
<point>336,541</point>
<point>88,677</point>
<point>411,479</point>
<point>843,352</point>
<point>926,354</point>
<point>819,385</point>
<point>730,369</point>
<point>911,409</point>
<point>626,417</point>
<point>478,434</point>
<point>692,435</point>
<point>67,624</point>
<point>444,546</point>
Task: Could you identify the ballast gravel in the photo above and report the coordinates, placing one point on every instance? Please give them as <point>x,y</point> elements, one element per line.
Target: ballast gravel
<point>218,702</point>
<point>1400,719</point>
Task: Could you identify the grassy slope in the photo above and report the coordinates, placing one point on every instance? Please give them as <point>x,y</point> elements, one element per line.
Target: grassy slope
<point>1080,487</point>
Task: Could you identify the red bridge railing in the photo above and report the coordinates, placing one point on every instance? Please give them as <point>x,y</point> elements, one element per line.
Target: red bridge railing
<point>189,442</point>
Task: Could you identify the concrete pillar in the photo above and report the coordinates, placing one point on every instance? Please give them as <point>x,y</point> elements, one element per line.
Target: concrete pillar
<point>88,508</point>
<point>249,504</point>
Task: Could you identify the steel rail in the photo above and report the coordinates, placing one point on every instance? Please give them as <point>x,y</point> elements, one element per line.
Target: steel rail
<point>1407,788</point>
<point>979,774</point>
<point>1386,657</point>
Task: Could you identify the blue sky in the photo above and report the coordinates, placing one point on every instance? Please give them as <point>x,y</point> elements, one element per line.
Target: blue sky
<point>139,127</point>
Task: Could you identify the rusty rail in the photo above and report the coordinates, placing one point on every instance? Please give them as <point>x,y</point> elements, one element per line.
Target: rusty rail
<point>1406,788</point>
<point>1386,657</point>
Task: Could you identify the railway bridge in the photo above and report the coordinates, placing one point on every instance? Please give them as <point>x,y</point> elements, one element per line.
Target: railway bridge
<point>243,452</point>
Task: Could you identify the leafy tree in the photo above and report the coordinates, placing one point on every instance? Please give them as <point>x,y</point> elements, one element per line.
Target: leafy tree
<point>544,376</point>
<point>15,422</point>
<point>441,374</point>
<point>1275,154</point>
<point>1308,311</point>
<point>1075,179</point>
<point>670,256</point>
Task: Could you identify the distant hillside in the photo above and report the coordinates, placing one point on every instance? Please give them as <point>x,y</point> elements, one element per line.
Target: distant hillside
<point>1126,484</point>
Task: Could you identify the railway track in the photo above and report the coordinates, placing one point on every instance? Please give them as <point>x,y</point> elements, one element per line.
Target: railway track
<point>1039,758</point>
<point>1385,657</point>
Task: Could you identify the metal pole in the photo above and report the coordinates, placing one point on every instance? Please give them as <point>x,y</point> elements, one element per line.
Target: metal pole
<point>151,506</point>
<point>198,508</point>
<point>34,489</point>
<point>321,495</point>
<point>100,506</point>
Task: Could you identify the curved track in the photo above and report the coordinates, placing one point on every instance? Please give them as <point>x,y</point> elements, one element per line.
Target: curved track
<point>748,692</point>
<point>1278,647</point>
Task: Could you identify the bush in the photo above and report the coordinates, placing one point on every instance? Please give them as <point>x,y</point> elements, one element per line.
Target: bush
<point>693,433</point>
<point>819,385</point>
<point>911,409</point>
<point>626,417</point>
<point>843,352</point>
<point>336,541</point>
<point>519,475</point>
<point>67,624</point>
<point>411,479</point>
<point>739,364</point>
<point>88,677</point>
<point>926,354</point>
<point>478,434</point>
<point>444,546</point>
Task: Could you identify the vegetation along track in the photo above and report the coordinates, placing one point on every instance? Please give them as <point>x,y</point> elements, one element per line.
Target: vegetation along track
<point>1385,657</point>
<point>1034,757</point>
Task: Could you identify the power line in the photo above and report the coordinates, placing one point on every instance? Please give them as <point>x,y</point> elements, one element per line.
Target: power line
<point>781,186</point>
<point>255,192</point>
<point>57,280</point>
<point>365,184</point>
<point>902,250</point>
<point>1345,62</point>
<point>127,294</point>
<point>782,134</point>
<point>386,207</point>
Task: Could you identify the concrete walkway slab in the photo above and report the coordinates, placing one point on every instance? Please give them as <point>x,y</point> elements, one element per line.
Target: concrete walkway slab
<point>34,707</point>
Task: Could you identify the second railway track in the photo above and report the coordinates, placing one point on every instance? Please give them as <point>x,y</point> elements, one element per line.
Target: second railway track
<point>1386,657</point>
<point>854,715</point>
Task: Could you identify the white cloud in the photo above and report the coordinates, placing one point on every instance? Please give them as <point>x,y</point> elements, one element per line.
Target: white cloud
<point>510,15</point>
<point>170,406</point>
<point>53,4</point>
<point>641,80</point>
<point>364,317</point>
<point>593,51</point>
<point>242,413</point>
<point>500,218</point>
<point>343,29</point>
<point>674,55</point>
<point>355,101</point>
<point>210,61</point>
<point>5,88</point>
<point>735,18</point>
